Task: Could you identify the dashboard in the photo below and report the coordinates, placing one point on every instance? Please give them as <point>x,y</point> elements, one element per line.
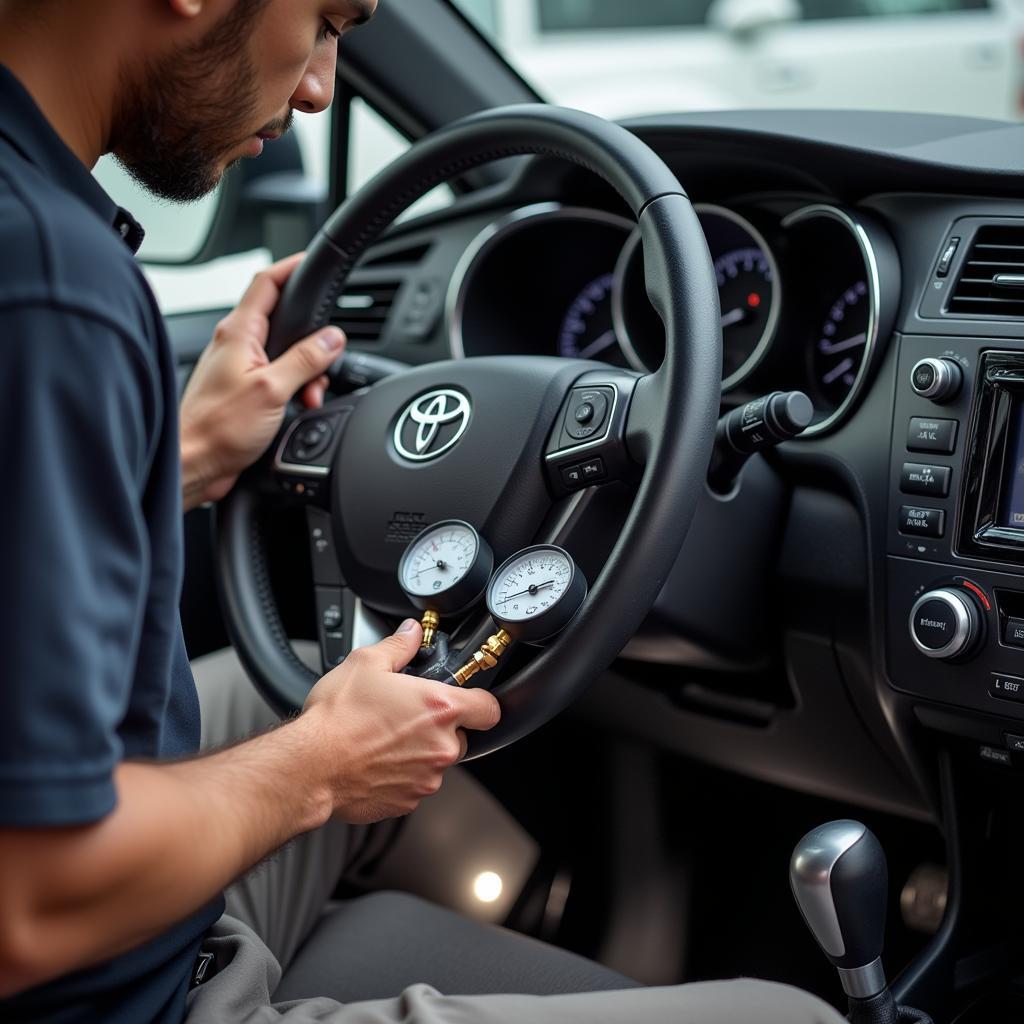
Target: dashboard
<point>802,298</point>
<point>850,249</point>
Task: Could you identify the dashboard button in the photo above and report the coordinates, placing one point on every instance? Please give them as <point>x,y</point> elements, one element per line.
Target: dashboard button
<point>937,379</point>
<point>1015,743</point>
<point>918,478</point>
<point>922,522</point>
<point>1013,634</point>
<point>1007,687</point>
<point>946,259</point>
<point>931,435</point>
<point>994,754</point>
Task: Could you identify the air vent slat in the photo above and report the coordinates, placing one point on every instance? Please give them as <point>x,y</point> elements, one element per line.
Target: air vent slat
<point>997,251</point>
<point>362,311</point>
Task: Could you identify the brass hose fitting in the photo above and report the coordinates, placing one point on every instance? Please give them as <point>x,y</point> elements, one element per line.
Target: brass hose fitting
<point>430,621</point>
<point>485,659</point>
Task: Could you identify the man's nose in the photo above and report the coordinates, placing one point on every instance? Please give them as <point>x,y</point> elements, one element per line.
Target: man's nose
<point>316,87</point>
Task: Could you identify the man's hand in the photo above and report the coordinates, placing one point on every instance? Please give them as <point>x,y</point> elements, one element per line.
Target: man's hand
<point>386,739</point>
<point>235,401</point>
<point>370,744</point>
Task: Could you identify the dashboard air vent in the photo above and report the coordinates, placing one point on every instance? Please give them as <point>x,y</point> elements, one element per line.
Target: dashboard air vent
<point>363,310</point>
<point>991,281</point>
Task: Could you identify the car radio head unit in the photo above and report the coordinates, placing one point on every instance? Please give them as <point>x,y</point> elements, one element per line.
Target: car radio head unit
<point>992,519</point>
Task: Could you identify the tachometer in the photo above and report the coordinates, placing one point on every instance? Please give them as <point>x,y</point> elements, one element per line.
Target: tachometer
<point>587,331</point>
<point>842,341</point>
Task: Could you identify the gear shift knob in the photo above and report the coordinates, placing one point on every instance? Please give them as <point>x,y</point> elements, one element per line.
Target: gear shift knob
<point>840,881</point>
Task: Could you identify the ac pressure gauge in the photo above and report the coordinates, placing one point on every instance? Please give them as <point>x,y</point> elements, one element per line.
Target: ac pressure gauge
<point>535,593</point>
<point>446,568</point>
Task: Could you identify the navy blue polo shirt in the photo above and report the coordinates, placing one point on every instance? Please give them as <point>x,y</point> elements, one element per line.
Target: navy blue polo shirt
<point>94,669</point>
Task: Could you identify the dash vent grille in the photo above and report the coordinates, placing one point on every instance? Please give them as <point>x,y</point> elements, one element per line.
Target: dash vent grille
<point>991,281</point>
<point>363,310</point>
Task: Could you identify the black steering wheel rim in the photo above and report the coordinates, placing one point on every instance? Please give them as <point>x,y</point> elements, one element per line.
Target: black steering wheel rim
<point>672,417</point>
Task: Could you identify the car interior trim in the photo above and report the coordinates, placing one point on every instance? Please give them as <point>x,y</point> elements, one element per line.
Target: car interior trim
<point>867,251</point>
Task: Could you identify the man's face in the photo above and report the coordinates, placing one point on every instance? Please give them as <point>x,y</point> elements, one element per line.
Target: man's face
<point>214,100</point>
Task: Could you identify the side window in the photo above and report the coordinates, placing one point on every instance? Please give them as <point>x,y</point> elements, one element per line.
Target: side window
<point>815,10</point>
<point>176,233</point>
<point>586,15</point>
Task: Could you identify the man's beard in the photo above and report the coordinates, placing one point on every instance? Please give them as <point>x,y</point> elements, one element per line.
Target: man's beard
<point>174,129</point>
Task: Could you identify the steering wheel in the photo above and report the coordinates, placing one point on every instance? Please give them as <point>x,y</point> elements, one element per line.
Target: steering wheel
<point>499,427</point>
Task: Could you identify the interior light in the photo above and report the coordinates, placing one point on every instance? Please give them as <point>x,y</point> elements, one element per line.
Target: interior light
<point>487,886</point>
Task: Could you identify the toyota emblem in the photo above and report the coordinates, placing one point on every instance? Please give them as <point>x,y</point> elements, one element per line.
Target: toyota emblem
<point>431,424</point>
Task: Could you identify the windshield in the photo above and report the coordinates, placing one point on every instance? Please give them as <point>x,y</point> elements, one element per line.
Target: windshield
<point>621,58</point>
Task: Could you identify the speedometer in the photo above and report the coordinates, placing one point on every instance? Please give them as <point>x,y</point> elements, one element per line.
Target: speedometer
<point>745,293</point>
<point>587,331</point>
<point>841,343</point>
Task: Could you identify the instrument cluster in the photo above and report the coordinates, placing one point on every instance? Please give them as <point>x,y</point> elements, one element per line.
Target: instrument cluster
<point>801,295</point>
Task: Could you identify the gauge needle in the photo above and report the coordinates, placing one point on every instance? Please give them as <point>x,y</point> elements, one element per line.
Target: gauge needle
<point>529,590</point>
<point>837,372</point>
<point>830,348</point>
<point>439,564</point>
<point>734,316</point>
<point>605,341</point>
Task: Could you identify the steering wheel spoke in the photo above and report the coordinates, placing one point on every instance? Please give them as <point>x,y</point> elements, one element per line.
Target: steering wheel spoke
<point>588,442</point>
<point>304,453</point>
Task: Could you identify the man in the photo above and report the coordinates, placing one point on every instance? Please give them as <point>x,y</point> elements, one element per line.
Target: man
<point>115,841</point>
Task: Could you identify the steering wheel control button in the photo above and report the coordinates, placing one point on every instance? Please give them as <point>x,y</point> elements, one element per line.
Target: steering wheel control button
<point>931,481</point>
<point>922,522</point>
<point>931,435</point>
<point>994,754</point>
<point>330,610</point>
<point>326,571</point>
<point>309,441</point>
<point>588,412</point>
<point>944,623</point>
<point>572,476</point>
<point>1007,687</point>
<point>939,380</point>
<point>1013,633</point>
<point>332,618</point>
<point>1014,743</point>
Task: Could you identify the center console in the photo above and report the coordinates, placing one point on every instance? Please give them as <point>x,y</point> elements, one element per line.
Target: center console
<point>955,565</point>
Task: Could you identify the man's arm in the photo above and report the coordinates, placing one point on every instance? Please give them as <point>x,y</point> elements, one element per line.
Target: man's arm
<point>370,744</point>
<point>235,400</point>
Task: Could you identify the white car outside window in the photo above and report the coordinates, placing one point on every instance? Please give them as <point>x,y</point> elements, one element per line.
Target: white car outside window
<point>650,56</point>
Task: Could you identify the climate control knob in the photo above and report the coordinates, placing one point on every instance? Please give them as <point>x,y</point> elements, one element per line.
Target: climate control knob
<point>945,623</point>
<point>937,379</point>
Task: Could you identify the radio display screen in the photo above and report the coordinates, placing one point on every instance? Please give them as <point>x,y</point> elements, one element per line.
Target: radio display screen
<point>1011,505</point>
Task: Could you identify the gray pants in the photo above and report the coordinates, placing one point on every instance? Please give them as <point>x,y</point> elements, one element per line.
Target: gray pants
<point>274,911</point>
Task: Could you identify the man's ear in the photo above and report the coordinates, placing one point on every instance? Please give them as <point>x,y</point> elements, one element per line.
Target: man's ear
<point>186,8</point>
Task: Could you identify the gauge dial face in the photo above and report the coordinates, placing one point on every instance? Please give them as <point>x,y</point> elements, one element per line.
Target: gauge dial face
<point>439,558</point>
<point>587,331</point>
<point>841,344</point>
<point>745,293</point>
<point>530,586</point>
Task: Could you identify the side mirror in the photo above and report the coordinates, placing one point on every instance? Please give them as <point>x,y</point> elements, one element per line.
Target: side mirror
<point>744,19</point>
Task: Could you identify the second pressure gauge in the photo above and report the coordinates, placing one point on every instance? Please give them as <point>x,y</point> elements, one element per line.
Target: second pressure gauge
<point>536,592</point>
<point>446,568</point>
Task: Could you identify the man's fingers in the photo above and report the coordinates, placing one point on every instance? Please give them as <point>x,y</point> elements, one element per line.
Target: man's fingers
<point>394,652</point>
<point>307,360</point>
<point>262,295</point>
<point>478,709</point>
<point>460,735</point>
<point>313,393</point>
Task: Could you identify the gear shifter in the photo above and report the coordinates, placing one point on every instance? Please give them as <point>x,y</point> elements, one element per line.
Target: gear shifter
<point>840,881</point>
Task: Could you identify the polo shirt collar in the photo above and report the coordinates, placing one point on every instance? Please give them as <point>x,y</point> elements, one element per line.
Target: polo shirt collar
<point>26,128</point>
